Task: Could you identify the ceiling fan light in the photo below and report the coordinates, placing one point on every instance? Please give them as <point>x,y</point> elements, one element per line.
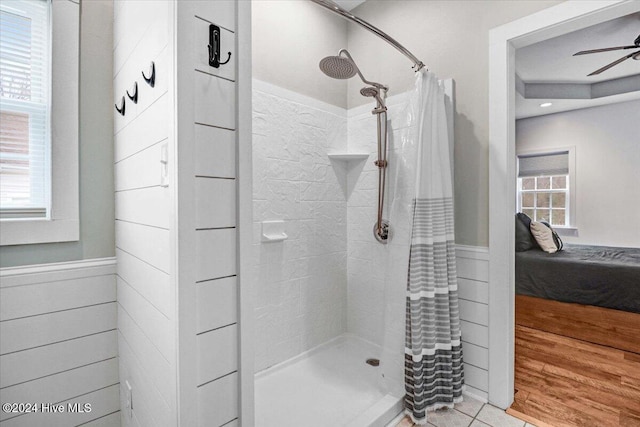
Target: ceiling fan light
<point>546,104</point>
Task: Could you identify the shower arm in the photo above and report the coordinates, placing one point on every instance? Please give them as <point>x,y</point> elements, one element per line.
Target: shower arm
<point>333,7</point>
<point>346,53</point>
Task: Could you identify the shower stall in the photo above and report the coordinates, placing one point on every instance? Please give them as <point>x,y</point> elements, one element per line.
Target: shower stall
<point>323,175</point>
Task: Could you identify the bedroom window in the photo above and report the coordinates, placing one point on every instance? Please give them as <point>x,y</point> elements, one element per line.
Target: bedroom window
<point>544,198</point>
<point>544,187</point>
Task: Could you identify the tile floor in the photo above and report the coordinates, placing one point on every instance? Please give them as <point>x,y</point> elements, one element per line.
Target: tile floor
<point>470,413</point>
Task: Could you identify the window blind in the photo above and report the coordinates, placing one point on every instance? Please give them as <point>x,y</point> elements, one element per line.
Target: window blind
<point>543,164</point>
<point>24,108</point>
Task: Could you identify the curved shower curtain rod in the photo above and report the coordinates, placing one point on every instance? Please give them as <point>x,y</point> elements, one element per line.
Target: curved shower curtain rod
<point>330,5</point>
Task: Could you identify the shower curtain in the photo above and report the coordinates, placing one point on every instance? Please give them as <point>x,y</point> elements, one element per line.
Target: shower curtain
<point>420,281</point>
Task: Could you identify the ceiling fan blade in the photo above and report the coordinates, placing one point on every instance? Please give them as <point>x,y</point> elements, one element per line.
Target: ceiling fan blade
<point>606,49</point>
<point>613,64</point>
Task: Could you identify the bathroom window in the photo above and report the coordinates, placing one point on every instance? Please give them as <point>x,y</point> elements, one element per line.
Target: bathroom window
<point>39,67</point>
<point>24,109</point>
<point>545,187</point>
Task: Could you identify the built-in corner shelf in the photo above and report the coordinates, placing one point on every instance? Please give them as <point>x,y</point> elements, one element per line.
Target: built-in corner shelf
<point>348,157</point>
<point>348,165</point>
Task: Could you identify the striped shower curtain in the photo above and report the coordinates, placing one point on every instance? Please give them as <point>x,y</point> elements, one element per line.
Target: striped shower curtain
<point>433,368</point>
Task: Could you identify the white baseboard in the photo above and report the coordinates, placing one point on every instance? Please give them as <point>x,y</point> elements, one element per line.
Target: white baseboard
<point>476,394</point>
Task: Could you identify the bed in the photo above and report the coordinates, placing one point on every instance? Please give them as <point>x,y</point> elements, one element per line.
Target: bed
<point>577,333</point>
<point>591,293</point>
<point>601,276</point>
<point>577,336</point>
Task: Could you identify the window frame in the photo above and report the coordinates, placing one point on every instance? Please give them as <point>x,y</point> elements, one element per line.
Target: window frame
<point>570,229</point>
<point>63,222</point>
<point>25,107</point>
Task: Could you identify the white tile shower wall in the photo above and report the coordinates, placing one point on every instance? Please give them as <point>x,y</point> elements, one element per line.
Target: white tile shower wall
<point>300,283</point>
<point>366,259</point>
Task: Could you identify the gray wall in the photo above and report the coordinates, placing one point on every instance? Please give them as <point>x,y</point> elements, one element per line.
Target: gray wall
<point>452,39</point>
<point>607,158</point>
<point>96,149</point>
<point>289,38</point>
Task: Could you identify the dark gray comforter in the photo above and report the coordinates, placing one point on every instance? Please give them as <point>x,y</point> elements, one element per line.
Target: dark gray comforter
<point>593,275</point>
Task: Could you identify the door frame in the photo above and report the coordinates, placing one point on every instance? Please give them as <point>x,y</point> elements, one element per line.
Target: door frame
<point>503,41</point>
<point>244,205</point>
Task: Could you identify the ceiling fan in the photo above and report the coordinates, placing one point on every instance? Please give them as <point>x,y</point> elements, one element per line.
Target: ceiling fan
<point>635,55</point>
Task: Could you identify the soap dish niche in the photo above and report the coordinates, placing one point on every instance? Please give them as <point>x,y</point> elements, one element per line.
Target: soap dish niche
<point>273,231</point>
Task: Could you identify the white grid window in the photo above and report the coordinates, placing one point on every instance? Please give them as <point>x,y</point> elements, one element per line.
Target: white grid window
<point>25,70</point>
<point>545,198</point>
<point>545,186</point>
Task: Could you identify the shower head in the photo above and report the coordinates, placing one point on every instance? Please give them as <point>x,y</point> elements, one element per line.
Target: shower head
<point>338,67</point>
<point>374,92</point>
<point>369,91</point>
<point>342,66</point>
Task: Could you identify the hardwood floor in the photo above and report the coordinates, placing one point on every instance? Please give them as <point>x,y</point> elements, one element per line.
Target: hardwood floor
<point>564,381</point>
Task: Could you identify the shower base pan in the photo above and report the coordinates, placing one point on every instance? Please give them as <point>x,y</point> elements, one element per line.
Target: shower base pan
<point>330,385</point>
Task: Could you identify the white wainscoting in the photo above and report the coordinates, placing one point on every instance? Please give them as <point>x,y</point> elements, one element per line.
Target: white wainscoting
<point>58,341</point>
<point>473,293</point>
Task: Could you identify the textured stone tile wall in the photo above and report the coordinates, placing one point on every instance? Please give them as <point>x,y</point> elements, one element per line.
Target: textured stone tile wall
<point>327,278</point>
<point>367,259</point>
<point>301,283</point>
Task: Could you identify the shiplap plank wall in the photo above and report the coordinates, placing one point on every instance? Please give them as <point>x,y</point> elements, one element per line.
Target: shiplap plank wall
<point>58,342</point>
<point>214,118</point>
<point>144,214</point>
<point>473,294</point>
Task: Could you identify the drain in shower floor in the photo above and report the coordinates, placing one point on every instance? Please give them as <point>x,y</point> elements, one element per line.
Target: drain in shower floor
<point>373,362</point>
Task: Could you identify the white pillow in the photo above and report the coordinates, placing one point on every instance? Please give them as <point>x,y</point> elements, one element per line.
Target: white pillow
<point>543,236</point>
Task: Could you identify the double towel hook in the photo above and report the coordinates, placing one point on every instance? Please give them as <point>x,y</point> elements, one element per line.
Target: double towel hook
<point>214,47</point>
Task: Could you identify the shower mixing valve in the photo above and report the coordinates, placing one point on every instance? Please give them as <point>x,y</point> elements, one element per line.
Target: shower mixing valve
<point>380,163</point>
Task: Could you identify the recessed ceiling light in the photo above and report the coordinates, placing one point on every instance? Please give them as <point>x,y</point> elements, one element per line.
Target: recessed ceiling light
<point>546,104</point>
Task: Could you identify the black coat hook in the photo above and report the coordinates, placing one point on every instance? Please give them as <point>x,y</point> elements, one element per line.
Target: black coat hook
<point>122,105</point>
<point>214,47</point>
<point>152,78</point>
<point>134,97</point>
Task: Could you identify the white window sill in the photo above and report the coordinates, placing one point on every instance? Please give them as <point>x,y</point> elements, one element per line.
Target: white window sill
<point>566,231</point>
<point>32,231</point>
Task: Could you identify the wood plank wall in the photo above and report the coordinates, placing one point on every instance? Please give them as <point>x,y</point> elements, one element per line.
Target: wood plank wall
<point>144,213</point>
<point>473,292</point>
<point>58,342</point>
<point>214,177</point>
<point>181,227</point>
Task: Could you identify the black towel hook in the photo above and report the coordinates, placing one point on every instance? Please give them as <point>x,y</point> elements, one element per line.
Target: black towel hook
<point>214,47</point>
<point>134,97</point>
<point>152,78</point>
<point>122,105</point>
